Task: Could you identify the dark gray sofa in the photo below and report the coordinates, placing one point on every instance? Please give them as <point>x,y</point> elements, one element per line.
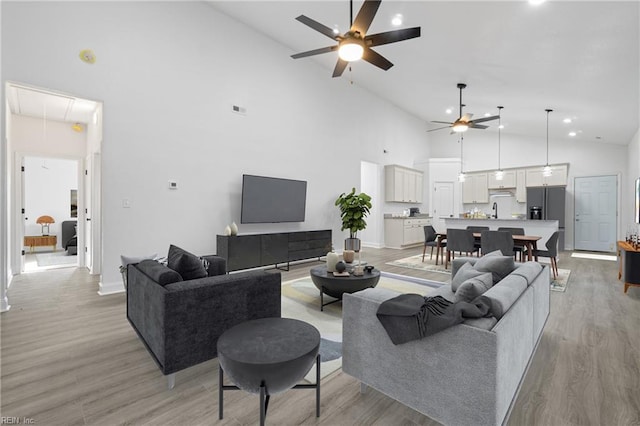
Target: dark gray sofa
<point>180,322</point>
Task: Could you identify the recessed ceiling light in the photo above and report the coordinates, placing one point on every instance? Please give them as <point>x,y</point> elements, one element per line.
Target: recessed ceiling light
<point>336,30</point>
<point>448,111</point>
<point>487,114</point>
<point>501,126</point>
<point>87,56</point>
<point>567,120</point>
<point>536,2</point>
<point>572,134</point>
<point>396,21</point>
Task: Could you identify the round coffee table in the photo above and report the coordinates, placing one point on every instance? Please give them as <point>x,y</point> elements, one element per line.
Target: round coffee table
<point>335,287</point>
<point>268,356</point>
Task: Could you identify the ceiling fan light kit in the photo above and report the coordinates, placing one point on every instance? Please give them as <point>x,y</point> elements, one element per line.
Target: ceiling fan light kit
<point>351,49</point>
<point>464,122</point>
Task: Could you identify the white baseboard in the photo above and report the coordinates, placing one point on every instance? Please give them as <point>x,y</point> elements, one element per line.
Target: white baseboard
<point>373,245</point>
<point>106,289</point>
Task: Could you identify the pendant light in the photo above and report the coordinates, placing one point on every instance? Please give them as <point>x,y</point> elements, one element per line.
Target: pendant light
<point>461,176</point>
<point>546,170</point>
<point>499,172</point>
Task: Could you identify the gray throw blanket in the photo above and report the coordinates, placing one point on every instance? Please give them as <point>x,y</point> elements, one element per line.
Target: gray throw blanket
<point>411,316</point>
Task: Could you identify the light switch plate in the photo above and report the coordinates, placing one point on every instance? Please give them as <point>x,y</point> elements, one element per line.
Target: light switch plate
<point>173,184</point>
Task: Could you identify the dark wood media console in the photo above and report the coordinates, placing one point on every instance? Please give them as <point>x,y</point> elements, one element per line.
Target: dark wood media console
<point>252,251</point>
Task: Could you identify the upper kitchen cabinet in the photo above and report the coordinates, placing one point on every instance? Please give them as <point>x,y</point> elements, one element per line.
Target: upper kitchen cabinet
<point>558,176</point>
<point>521,186</point>
<point>508,180</point>
<point>403,185</point>
<point>475,189</point>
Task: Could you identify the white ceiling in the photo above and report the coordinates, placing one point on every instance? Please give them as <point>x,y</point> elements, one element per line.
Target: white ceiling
<point>39,103</point>
<point>580,58</point>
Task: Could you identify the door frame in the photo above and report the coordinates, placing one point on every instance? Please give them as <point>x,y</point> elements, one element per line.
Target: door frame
<point>19,197</point>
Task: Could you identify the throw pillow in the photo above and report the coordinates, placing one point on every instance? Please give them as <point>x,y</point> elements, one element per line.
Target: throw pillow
<point>188,265</point>
<point>465,272</point>
<point>126,260</point>
<point>158,272</point>
<point>500,266</point>
<point>473,287</point>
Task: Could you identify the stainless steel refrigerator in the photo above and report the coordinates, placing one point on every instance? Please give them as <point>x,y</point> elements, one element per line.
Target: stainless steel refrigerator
<point>551,203</point>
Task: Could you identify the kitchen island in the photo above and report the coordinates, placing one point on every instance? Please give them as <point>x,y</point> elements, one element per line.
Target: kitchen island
<point>541,228</point>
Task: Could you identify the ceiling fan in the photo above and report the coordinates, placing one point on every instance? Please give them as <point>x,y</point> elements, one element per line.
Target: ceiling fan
<point>355,44</point>
<point>464,122</point>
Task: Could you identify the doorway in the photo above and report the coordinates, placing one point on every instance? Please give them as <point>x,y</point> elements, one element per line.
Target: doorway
<point>52,126</point>
<point>50,199</point>
<point>596,213</point>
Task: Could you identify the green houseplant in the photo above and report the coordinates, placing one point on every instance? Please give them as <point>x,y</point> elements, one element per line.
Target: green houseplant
<point>353,210</point>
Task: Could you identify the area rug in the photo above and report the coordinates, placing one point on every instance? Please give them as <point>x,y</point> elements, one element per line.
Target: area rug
<point>595,256</point>
<point>415,262</point>
<point>301,300</point>
<point>56,258</point>
<point>560,283</point>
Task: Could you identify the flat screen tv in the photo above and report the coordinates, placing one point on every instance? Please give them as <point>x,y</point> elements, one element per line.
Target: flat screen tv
<point>272,200</point>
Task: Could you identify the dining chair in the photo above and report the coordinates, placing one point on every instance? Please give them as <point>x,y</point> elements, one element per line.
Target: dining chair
<point>460,240</point>
<point>496,240</point>
<point>477,230</point>
<point>551,252</point>
<point>431,240</point>
<point>516,248</point>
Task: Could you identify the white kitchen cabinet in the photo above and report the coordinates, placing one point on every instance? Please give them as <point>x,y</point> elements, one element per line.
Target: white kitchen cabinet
<point>558,176</point>
<point>475,188</point>
<point>403,185</point>
<point>400,233</point>
<point>508,180</point>
<point>521,186</point>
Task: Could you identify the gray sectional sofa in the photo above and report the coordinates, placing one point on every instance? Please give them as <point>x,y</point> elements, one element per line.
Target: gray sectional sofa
<point>179,318</point>
<point>468,374</point>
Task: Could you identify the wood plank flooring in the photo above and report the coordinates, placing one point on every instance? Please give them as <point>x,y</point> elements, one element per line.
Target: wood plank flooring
<point>70,357</point>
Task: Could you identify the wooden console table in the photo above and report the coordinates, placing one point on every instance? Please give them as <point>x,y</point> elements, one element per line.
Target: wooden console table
<point>628,265</point>
<point>40,241</point>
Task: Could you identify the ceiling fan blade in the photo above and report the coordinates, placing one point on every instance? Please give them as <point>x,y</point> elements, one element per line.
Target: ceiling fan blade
<point>376,59</point>
<point>473,125</point>
<point>483,119</point>
<point>365,16</point>
<point>439,128</point>
<point>443,122</point>
<point>315,52</point>
<point>323,29</point>
<point>392,36</point>
<point>340,66</point>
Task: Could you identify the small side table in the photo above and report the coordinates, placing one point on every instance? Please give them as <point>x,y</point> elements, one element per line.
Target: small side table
<point>268,356</point>
<point>40,241</point>
<point>628,265</point>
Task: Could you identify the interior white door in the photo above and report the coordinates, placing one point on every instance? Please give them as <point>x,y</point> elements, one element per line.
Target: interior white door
<point>442,204</point>
<point>23,217</point>
<point>595,213</point>
<point>87,249</point>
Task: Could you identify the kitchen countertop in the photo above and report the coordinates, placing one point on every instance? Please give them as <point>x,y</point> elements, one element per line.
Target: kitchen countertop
<point>493,220</point>
<point>419,216</point>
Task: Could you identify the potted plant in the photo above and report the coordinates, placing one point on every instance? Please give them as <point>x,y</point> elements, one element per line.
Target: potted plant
<point>353,209</point>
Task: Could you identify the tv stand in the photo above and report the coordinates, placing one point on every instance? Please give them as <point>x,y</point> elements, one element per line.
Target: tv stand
<point>255,250</point>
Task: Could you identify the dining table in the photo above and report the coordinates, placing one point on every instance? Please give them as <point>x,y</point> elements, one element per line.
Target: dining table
<point>528,242</point>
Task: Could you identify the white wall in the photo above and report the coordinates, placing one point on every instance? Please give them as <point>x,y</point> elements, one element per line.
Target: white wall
<point>48,182</point>
<point>5,205</point>
<point>633,158</point>
<point>167,75</point>
<point>34,136</point>
<point>585,159</point>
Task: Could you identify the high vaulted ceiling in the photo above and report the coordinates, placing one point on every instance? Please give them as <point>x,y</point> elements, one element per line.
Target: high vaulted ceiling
<point>580,58</point>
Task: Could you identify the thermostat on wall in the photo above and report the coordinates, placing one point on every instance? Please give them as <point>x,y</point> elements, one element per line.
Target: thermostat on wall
<point>173,184</point>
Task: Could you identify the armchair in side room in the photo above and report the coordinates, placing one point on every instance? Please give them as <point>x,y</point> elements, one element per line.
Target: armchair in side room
<point>70,236</point>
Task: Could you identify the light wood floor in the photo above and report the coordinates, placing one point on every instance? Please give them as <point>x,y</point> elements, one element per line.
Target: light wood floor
<point>70,357</point>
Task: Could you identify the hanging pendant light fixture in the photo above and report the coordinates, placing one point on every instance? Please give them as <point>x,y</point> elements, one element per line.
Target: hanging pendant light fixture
<point>546,170</point>
<point>461,176</point>
<point>499,172</point>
